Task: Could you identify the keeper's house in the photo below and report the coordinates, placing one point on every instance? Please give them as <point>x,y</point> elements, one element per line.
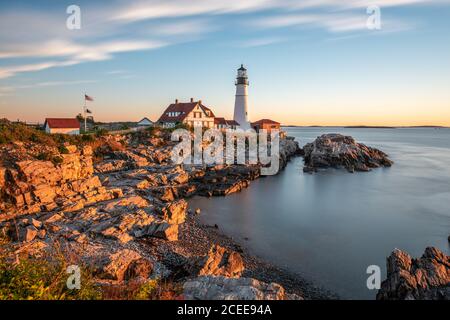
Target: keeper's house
<point>62,125</point>
<point>192,113</point>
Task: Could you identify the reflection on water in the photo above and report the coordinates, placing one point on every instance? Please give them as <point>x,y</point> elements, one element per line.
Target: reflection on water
<point>331,225</point>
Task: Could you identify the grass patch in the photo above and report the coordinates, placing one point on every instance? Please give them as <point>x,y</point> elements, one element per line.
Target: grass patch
<point>11,132</point>
<point>33,279</point>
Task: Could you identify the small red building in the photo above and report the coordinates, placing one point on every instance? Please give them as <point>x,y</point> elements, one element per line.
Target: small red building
<point>267,124</point>
<point>62,125</point>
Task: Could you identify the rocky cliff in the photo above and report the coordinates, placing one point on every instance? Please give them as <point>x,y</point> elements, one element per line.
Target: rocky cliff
<point>100,202</point>
<point>425,278</point>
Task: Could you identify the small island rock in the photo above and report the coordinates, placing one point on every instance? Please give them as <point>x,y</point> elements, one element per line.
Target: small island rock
<point>336,150</point>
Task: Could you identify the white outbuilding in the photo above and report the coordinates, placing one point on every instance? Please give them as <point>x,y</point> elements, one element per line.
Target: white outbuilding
<point>145,122</point>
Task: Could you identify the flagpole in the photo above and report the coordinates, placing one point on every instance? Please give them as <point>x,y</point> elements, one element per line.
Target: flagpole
<point>84,114</point>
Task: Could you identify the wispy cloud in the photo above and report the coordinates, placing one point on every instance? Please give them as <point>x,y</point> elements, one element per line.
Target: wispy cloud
<point>259,42</point>
<point>74,54</point>
<point>331,22</point>
<point>10,71</point>
<point>144,10</point>
<point>157,9</point>
<point>176,28</point>
<point>34,34</point>
<point>117,72</point>
<point>63,48</point>
<point>9,90</point>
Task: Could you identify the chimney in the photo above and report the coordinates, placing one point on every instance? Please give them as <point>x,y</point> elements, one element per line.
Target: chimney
<point>200,101</point>
<point>176,101</point>
<point>192,99</point>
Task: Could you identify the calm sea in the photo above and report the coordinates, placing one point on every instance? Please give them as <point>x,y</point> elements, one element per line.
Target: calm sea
<point>330,226</point>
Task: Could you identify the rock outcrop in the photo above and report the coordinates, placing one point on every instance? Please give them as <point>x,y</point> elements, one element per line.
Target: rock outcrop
<point>336,150</point>
<point>222,262</point>
<point>222,288</point>
<point>288,148</point>
<point>426,278</point>
<point>37,185</point>
<point>222,180</point>
<point>125,265</point>
<point>55,201</point>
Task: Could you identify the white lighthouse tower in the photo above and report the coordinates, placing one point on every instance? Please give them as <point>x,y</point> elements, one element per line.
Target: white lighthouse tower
<point>241,104</point>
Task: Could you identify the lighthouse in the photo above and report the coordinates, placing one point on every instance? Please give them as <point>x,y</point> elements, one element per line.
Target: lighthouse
<point>241,104</point>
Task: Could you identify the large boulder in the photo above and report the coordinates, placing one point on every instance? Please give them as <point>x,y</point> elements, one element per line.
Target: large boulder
<point>223,288</point>
<point>133,217</point>
<point>175,212</point>
<point>222,262</point>
<point>426,278</point>
<point>336,150</point>
<point>111,166</point>
<point>36,172</point>
<point>125,264</point>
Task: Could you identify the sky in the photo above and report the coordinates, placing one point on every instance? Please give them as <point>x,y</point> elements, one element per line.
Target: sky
<point>309,62</point>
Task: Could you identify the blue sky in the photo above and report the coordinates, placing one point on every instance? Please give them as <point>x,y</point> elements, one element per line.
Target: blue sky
<point>309,62</point>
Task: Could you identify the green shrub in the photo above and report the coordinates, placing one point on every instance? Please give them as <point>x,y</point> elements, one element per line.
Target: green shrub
<point>44,156</point>
<point>87,138</point>
<point>32,279</point>
<point>63,150</point>
<point>10,132</point>
<point>57,160</point>
<point>101,132</point>
<point>147,290</point>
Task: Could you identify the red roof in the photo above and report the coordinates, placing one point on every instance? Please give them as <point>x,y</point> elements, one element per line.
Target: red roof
<point>184,109</point>
<point>222,121</point>
<point>232,123</point>
<point>262,121</point>
<point>62,123</point>
<point>211,114</point>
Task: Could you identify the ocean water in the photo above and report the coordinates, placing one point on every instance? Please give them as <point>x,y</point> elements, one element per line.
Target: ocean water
<point>330,226</point>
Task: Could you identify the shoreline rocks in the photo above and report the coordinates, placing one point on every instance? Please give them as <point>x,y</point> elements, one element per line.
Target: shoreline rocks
<point>425,278</point>
<point>223,288</point>
<point>336,150</point>
<point>222,262</point>
<point>102,207</point>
